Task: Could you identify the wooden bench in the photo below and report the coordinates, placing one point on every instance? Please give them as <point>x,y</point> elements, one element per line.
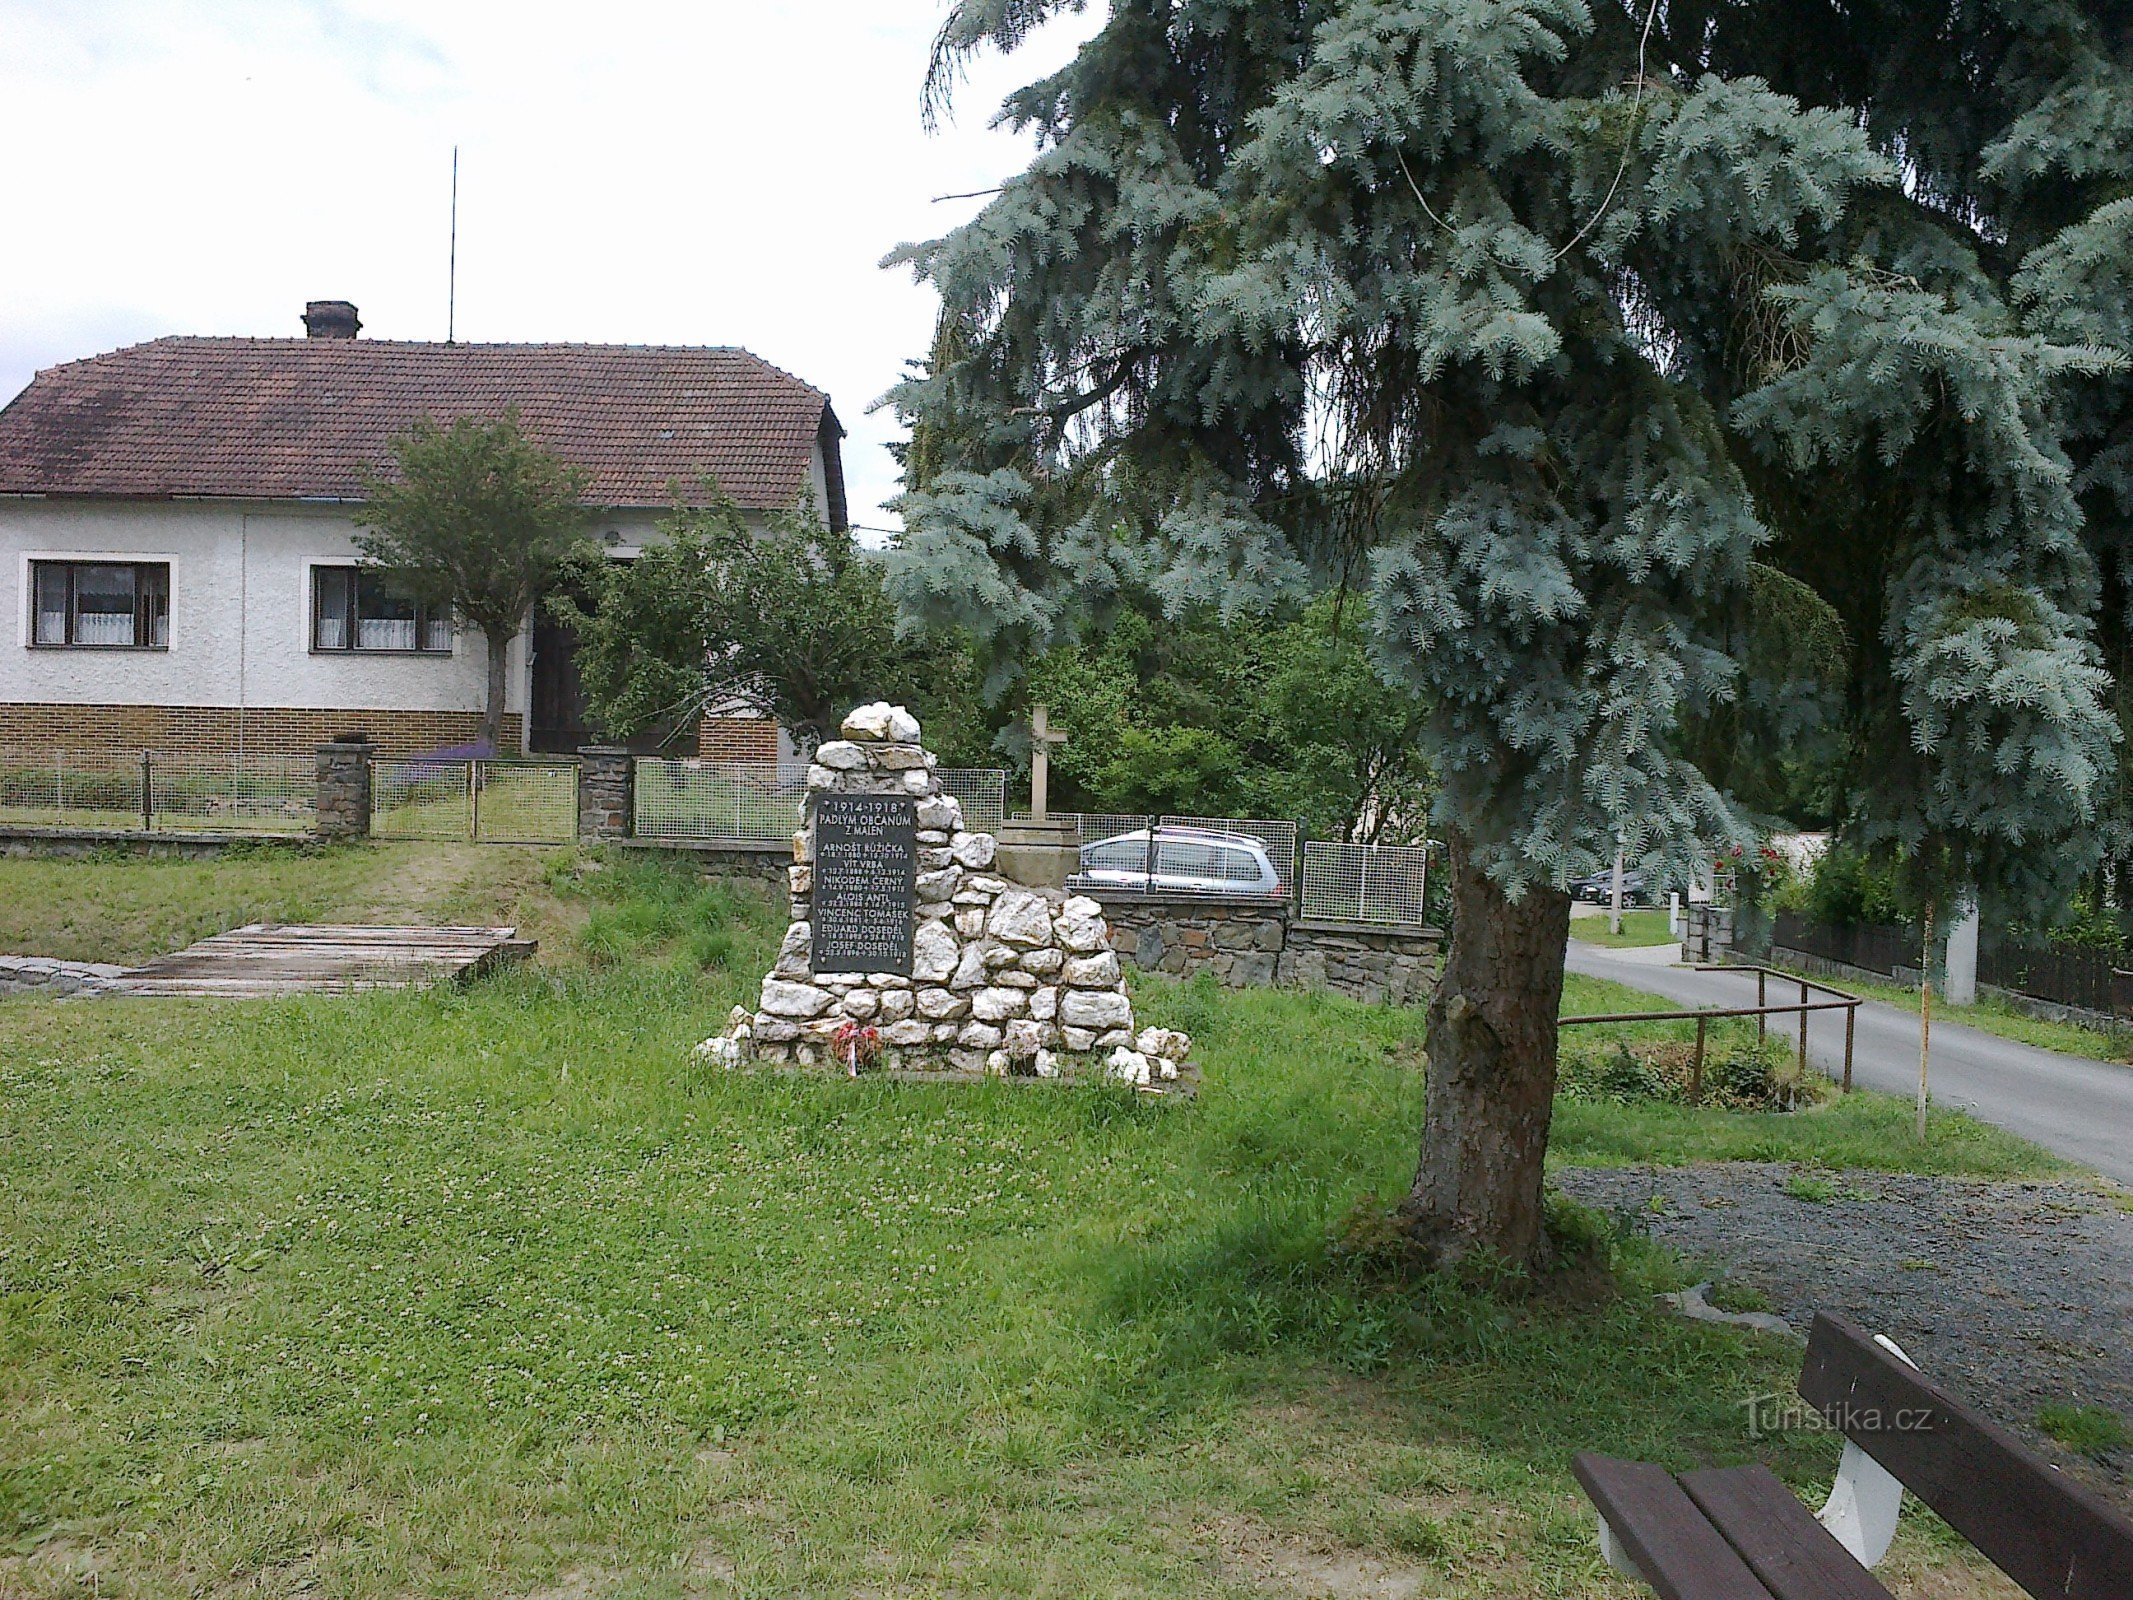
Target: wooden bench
<point>1737,1533</point>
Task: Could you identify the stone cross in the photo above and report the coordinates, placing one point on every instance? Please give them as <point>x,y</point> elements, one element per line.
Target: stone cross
<point>1042,736</point>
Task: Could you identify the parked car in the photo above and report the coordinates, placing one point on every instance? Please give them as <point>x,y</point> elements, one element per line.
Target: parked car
<point>1599,889</point>
<point>1180,861</point>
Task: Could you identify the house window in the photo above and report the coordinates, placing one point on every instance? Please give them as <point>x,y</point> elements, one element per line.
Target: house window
<point>121,605</point>
<point>356,609</point>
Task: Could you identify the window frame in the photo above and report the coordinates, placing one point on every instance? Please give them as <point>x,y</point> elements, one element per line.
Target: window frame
<point>144,595</point>
<point>352,573</point>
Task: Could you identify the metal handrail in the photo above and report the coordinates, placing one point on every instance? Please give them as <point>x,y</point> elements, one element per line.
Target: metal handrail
<point>1762,1011</point>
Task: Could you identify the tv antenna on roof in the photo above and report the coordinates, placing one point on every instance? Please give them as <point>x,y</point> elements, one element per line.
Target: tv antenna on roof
<point>451,271</point>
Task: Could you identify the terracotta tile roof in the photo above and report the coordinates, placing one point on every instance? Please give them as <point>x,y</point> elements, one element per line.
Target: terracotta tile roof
<point>280,419</point>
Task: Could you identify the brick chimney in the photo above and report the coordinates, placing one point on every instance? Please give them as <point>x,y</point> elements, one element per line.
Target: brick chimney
<point>330,319</point>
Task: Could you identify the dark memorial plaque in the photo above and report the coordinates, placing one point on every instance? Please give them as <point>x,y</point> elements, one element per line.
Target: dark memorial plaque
<point>866,881</point>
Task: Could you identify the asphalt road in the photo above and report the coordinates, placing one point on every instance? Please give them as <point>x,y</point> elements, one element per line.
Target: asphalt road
<point>2082,1110</point>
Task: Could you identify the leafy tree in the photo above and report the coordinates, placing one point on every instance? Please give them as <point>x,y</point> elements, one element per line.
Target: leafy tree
<point>1542,322</point>
<point>790,619</point>
<point>1250,718</point>
<point>480,519</point>
<point>1344,748</point>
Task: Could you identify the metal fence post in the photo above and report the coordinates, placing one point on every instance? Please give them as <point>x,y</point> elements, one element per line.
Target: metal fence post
<point>474,802</point>
<point>1803,1027</point>
<point>1696,1066</point>
<point>1851,1021</point>
<point>148,802</point>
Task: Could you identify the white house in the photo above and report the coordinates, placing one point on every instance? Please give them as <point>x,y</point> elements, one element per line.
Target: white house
<point>177,559</point>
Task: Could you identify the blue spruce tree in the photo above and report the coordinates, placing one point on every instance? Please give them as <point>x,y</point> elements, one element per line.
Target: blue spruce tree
<point>1549,324</point>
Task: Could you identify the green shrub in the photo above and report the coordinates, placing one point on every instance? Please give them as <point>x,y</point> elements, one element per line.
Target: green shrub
<point>1853,888</point>
<point>1736,1077</point>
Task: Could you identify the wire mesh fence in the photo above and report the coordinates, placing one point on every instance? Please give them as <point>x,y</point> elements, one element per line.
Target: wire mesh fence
<point>698,799</point>
<point>525,802</point>
<point>486,802</point>
<point>252,794</point>
<point>1222,858</point>
<point>421,799</point>
<point>1386,884</point>
<point>707,799</point>
<point>149,790</point>
<point>983,793</point>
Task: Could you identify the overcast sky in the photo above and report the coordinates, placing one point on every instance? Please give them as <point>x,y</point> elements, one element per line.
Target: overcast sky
<point>718,172</point>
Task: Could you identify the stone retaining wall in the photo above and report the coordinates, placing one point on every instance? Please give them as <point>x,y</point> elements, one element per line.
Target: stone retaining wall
<point>18,839</point>
<point>724,858</point>
<point>1249,945</point>
<point>1383,966</point>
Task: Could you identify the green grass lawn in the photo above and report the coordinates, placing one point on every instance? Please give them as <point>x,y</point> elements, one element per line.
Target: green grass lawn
<point>125,908</point>
<point>495,1292</point>
<point>1639,928</point>
<point>1994,1015</point>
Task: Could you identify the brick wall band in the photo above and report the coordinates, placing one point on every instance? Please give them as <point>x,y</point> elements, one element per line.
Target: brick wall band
<point>746,739</point>
<point>262,730</point>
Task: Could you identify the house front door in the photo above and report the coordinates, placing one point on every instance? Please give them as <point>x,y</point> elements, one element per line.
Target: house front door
<point>560,722</point>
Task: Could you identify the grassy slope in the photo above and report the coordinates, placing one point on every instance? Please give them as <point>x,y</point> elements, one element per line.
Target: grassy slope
<point>1639,928</point>
<point>1860,1130</point>
<point>472,1293</point>
<point>125,908</point>
<point>1992,1015</point>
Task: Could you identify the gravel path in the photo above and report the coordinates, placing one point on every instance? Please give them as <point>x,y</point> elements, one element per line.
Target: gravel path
<point>2015,1294</point>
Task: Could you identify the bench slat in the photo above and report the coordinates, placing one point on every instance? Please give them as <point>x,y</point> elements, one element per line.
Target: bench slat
<point>2053,1536</point>
<point>1794,1556</point>
<point>1673,1544</point>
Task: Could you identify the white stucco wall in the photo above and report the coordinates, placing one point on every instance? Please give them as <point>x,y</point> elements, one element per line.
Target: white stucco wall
<point>240,614</point>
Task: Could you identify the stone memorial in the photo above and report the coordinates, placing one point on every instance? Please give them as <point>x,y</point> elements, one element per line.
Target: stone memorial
<point>907,953</point>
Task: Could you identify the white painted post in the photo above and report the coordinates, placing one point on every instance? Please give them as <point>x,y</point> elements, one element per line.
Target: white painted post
<point>1960,989</point>
<point>1614,915</point>
<point>1673,914</point>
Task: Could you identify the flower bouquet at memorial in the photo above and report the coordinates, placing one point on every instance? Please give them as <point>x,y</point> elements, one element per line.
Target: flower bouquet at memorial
<point>857,1043</point>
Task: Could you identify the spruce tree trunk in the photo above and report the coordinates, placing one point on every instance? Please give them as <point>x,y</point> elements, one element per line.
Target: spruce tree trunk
<point>1491,1049</point>
<point>492,715</point>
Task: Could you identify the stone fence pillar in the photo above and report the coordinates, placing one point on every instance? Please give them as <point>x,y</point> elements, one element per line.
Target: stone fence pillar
<point>344,788</point>
<point>607,792</point>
